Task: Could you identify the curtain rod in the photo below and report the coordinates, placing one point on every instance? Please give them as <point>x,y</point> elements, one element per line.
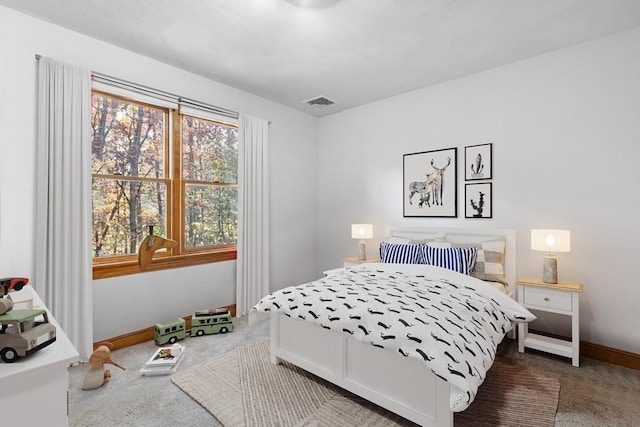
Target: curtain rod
<point>159,93</point>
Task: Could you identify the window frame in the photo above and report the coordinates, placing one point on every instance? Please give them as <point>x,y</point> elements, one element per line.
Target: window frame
<point>119,265</point>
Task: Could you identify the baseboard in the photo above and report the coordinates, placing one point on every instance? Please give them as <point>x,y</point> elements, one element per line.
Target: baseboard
<point>603,353</point>
<point>146,334</point>
<point>610,355</point>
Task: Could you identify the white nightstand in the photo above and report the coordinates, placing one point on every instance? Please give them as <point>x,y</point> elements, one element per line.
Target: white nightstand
<point>560,298</point>
<point>350,262</point>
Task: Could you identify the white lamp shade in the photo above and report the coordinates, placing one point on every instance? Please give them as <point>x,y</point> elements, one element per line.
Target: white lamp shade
<point>551,240</point>
<point>362,231</point>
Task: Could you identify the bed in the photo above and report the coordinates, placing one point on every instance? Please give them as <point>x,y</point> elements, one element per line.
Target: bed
<point>421,378</point>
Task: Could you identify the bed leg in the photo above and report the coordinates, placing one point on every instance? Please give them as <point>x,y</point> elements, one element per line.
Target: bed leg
<point>275,338</point>
<point>512,333</point>
<point>275,359</point>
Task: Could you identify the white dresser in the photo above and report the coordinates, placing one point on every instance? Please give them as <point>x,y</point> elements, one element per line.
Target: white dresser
<point>34,389</point>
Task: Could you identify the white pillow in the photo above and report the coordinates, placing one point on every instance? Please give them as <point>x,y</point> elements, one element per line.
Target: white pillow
<point>418,236</point>
<point>490,261</point>
<point>440,244</point>
<point>399,240</point>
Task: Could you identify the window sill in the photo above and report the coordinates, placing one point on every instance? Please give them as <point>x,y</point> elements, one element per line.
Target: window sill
<point>104,268</point>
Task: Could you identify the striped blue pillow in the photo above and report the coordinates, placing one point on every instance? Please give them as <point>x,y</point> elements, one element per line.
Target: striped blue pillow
<point>401,253</point>
<point>461,260</point>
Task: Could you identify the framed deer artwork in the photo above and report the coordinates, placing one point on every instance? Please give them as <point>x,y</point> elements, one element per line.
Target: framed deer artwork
<point>478,162</point>
<point>430,184</point>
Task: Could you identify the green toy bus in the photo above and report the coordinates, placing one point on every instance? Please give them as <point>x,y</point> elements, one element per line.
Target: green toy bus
<point>169,331</point>
<point>211,322</point>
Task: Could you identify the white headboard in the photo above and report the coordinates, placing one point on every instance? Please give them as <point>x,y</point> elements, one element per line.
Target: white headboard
<point>467,235</point>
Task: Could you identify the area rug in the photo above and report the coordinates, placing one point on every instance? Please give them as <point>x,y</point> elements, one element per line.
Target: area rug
<point>242,388</point>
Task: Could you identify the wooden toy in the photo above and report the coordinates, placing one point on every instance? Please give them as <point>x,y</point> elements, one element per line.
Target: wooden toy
<point>150,245</point>
<point>97,375</point>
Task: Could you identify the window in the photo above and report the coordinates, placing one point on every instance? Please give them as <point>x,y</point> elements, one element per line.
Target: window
<point>155,167</point>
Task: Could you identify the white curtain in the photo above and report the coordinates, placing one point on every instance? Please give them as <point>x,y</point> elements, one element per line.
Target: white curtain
<point>252,278</point>
<point>63,271</point>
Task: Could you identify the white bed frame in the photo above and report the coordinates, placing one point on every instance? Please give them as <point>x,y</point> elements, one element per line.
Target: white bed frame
<point>402,385</point>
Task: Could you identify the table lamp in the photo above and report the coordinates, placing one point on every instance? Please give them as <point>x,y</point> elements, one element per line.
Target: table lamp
<point>550,241</point>
<point>362,232</point>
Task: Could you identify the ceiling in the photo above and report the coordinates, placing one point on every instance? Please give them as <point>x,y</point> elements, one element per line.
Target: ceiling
<point>350,51</point>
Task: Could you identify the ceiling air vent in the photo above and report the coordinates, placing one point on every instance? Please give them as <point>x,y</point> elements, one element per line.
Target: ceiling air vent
<point>320,101</point>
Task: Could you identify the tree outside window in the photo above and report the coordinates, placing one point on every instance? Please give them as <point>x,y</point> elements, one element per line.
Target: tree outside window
<point>183,182</point>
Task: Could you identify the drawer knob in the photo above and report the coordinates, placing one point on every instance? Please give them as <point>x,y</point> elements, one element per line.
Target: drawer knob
<point>547,299</point>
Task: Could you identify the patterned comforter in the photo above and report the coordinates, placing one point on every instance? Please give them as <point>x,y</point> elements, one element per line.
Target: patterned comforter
<point>451,322</point>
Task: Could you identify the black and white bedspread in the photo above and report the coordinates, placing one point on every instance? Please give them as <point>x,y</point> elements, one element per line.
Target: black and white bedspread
<point>450,321</point>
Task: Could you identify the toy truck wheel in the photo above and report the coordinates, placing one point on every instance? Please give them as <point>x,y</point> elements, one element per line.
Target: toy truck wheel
<point>223,330</point>
<point>19,285</point>
<point>200,333</point>
<point>9,355</point>
<point>172,340</point>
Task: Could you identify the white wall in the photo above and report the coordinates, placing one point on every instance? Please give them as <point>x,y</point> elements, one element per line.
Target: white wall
<point>565,129</point>
<point>566,138</point>
<point>130,303</point>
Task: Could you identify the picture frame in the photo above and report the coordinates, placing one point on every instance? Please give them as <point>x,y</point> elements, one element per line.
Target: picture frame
<point>478,200</point>
<point>430,183</point>
<point>478,162</point>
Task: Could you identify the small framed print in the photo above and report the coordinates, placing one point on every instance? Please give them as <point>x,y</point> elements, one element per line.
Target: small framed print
<point>430,184</point>
<point>478,162</point>
<point>478,200</point>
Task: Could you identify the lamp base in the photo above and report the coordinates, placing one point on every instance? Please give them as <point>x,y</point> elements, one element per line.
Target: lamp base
<point>550,270</point>
<point>362,250</point>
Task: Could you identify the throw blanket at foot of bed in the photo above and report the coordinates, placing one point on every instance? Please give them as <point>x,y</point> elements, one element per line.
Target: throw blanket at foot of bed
<point>450,321</point>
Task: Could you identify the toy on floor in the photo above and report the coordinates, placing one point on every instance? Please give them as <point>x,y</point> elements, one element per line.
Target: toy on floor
<point>212,321</point>
<point>169,331</point>
<point>97,375</point>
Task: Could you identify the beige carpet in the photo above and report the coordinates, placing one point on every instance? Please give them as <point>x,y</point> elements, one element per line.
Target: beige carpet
<point>242,388</point>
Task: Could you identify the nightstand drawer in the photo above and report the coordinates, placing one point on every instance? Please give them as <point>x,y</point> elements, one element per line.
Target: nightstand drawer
<point>547,298</point>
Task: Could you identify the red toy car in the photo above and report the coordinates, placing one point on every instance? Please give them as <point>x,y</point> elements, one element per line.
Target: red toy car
<point>12,283</point>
